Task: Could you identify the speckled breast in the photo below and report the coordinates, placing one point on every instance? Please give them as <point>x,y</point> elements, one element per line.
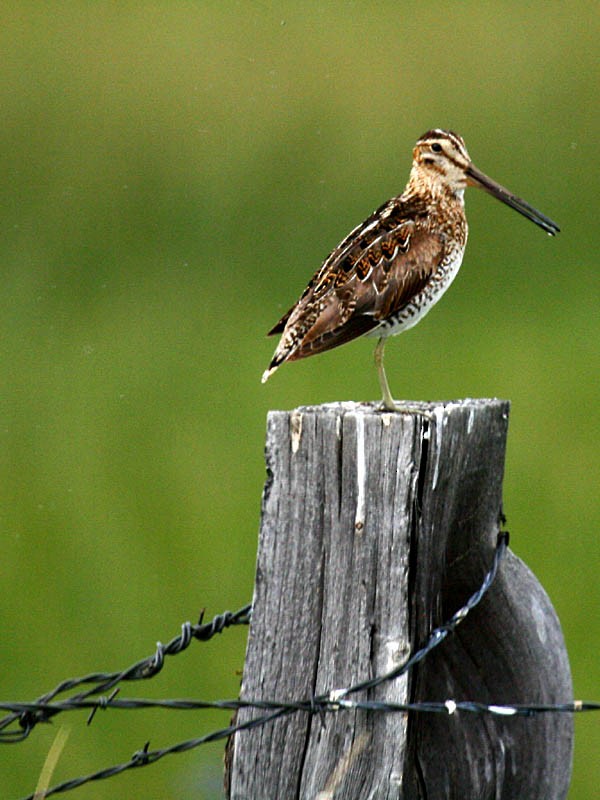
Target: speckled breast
<point>416,309</point>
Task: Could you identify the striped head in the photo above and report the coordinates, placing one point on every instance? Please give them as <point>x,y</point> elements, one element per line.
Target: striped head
<point>440,162</point>
<point>442,165</point>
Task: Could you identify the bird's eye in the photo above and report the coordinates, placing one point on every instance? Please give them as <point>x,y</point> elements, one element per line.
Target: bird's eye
<point>436,147</point>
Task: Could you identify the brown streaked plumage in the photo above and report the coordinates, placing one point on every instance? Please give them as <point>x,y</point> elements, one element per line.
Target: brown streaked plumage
<point>389,271</point>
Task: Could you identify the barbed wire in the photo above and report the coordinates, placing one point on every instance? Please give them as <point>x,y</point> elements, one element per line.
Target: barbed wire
<point>42,709</point>
<point>330,703</point>
<point>145,756</point>
<point>336,700</point>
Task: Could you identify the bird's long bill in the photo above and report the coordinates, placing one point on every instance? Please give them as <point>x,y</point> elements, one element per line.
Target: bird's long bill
<point>479,179</point>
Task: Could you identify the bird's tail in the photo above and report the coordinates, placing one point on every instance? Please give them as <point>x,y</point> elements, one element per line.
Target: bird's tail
<point>267,373</point>
<point>280,355</point>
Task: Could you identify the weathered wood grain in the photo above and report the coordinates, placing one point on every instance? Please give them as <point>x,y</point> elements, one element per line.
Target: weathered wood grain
<point>375,528</point>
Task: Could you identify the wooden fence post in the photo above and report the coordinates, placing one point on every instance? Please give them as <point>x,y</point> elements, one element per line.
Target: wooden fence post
<point>375,528</point>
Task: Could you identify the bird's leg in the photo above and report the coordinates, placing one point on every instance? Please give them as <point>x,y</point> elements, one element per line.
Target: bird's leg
<point>388,403</point>
<point>388,400</point>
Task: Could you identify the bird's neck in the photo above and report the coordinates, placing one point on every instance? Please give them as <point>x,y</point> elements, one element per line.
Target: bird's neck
<point>433,189</point>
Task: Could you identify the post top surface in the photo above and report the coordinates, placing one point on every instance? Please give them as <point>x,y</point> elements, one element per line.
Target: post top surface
<point>429,408</point>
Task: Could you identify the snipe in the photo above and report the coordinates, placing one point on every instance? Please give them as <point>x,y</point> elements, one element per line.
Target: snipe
<point>389,271</point>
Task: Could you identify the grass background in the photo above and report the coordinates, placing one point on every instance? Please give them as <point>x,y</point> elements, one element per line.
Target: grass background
<point>172,174</point>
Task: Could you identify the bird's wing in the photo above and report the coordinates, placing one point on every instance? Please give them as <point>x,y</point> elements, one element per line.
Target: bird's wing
<point>343,256</point>
<point>378,268</point>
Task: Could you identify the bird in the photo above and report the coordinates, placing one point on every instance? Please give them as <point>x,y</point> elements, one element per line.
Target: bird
<point>391,270</point>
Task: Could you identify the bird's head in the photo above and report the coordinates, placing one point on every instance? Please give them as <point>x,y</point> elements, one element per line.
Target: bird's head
<point>441,165</point>
<point>440,162</point>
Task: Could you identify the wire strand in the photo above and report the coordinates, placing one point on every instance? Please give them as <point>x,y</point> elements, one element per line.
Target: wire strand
<point>27,715</point>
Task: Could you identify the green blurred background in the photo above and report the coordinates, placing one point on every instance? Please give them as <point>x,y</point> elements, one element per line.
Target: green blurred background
<point>172,174</point>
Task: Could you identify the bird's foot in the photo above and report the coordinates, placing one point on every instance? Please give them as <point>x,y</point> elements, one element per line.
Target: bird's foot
<point>402,407</point>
